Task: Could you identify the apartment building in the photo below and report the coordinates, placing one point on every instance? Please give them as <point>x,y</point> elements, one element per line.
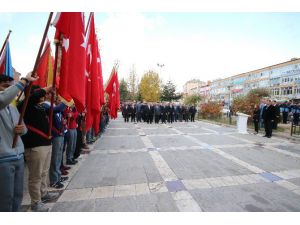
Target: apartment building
<point>282,80</point>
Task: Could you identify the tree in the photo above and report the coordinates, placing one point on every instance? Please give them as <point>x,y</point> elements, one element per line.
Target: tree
<point>192,99</point>
<point>124,94</point>
<point>132,83</point>
<point>245,104</point>
<point>150,86</point>
<point>168,92</point>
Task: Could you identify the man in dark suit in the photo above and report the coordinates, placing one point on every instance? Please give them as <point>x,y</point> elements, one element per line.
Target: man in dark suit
<point>269,118</point>
<point>163,113</point>
<point>125,112</point>
<point>133,114</point>
<point>157,112</point>
<point>192,111</point>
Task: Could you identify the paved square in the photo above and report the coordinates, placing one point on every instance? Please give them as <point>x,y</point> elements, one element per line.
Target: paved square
<point>189,167</point>
<point>202,163</point>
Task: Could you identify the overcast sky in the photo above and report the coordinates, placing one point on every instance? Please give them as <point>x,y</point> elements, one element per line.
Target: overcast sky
<point>191,45</point>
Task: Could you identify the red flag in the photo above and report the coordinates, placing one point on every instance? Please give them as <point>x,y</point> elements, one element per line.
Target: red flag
<point>72,74</point>
<point>92,80</point>
<point>112,89</point>
<point>100,78</point>
<point>45,67</point>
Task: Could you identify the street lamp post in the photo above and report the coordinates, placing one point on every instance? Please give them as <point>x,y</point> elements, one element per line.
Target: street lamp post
<point>229,102</point>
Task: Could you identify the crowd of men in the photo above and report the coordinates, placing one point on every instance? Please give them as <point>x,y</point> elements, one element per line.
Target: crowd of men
<point>269,113</point>
<point>157,112</point>
<point>42,153</point>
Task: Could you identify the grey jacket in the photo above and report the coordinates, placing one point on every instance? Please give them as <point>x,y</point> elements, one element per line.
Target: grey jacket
<point>9,117</point>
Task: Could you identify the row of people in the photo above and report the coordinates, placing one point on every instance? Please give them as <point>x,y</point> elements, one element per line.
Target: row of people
<point>269,113</point>
<point>164,112</point>
<point>43,154</point>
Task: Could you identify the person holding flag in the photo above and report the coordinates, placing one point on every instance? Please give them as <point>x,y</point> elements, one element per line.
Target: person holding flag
<point>11,159</point>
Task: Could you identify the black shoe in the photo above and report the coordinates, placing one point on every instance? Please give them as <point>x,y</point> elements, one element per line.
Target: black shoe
<point>62,179</point>
<point>57,185</point>
<point>70,162</point>
<point>75,161</point>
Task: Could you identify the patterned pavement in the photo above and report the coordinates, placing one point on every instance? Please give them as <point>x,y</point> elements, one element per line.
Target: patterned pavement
<point>190,167</point>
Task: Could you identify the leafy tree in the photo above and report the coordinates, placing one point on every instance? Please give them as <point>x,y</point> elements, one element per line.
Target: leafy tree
<point>168,92</point>
<point>211,110</point>
<point>132,83</point>
<point>124,93</point>
<point>150,87</point>
<point>192,99</point>
<point>245,104</point>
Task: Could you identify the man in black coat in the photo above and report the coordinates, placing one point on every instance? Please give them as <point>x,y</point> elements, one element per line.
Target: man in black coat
<point>269,118</point>
<point>192,111</point>
<point>157,112</point>
<point>163,113</point>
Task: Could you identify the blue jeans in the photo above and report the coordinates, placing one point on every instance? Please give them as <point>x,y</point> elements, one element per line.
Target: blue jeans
<point>56,157</point>
<point>71,144</point>
<point>11,185</point>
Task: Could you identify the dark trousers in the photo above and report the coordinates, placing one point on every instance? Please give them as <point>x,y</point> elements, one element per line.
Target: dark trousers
<point>133,118</point>
<point>268,128</point>
<point>170,120</point>
<point>127,117</point>
<point>192,117</point>
<point>284,117</point>
<point>256,126</point>
<point>11,185</point>
<point>157,117</point>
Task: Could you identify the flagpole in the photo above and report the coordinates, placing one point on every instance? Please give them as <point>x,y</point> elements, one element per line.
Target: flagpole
<point>87,26</point>
<point>6,39</point>
<point>28,90</point>
<point>57,45</point>
<point>45,51</point>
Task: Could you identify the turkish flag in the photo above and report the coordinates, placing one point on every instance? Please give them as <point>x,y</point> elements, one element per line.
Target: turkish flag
<point>101,88</point>
<point>70,26</point>
<point>113,91</point>
<point>92,79</point>
<point>45,68</point>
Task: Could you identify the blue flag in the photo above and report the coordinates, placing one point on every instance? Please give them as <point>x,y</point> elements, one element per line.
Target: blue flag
<point>5,62</point>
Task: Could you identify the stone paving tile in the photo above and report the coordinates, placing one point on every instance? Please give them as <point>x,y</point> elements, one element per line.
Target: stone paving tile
<point>103,192</point>
<point>123,142</point>
<point>256,138</point>
<point>265,159</point>
<point>118,132</point>
<point>116,169</point>
<point>218,139</point>
<point>164,141</point>
<point>295,181</point>
<point>293,148</point>
<point>124,190</point>
<point>159,202</point>
<point>256,197</point>
<point>120,124</point>
<point>288,174</point>
<point>197,164</point>
<point>75,195</point>
<point>159,131</point>
<point>196,184</point>
<point>192,130</point>
<point>75,206</point>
